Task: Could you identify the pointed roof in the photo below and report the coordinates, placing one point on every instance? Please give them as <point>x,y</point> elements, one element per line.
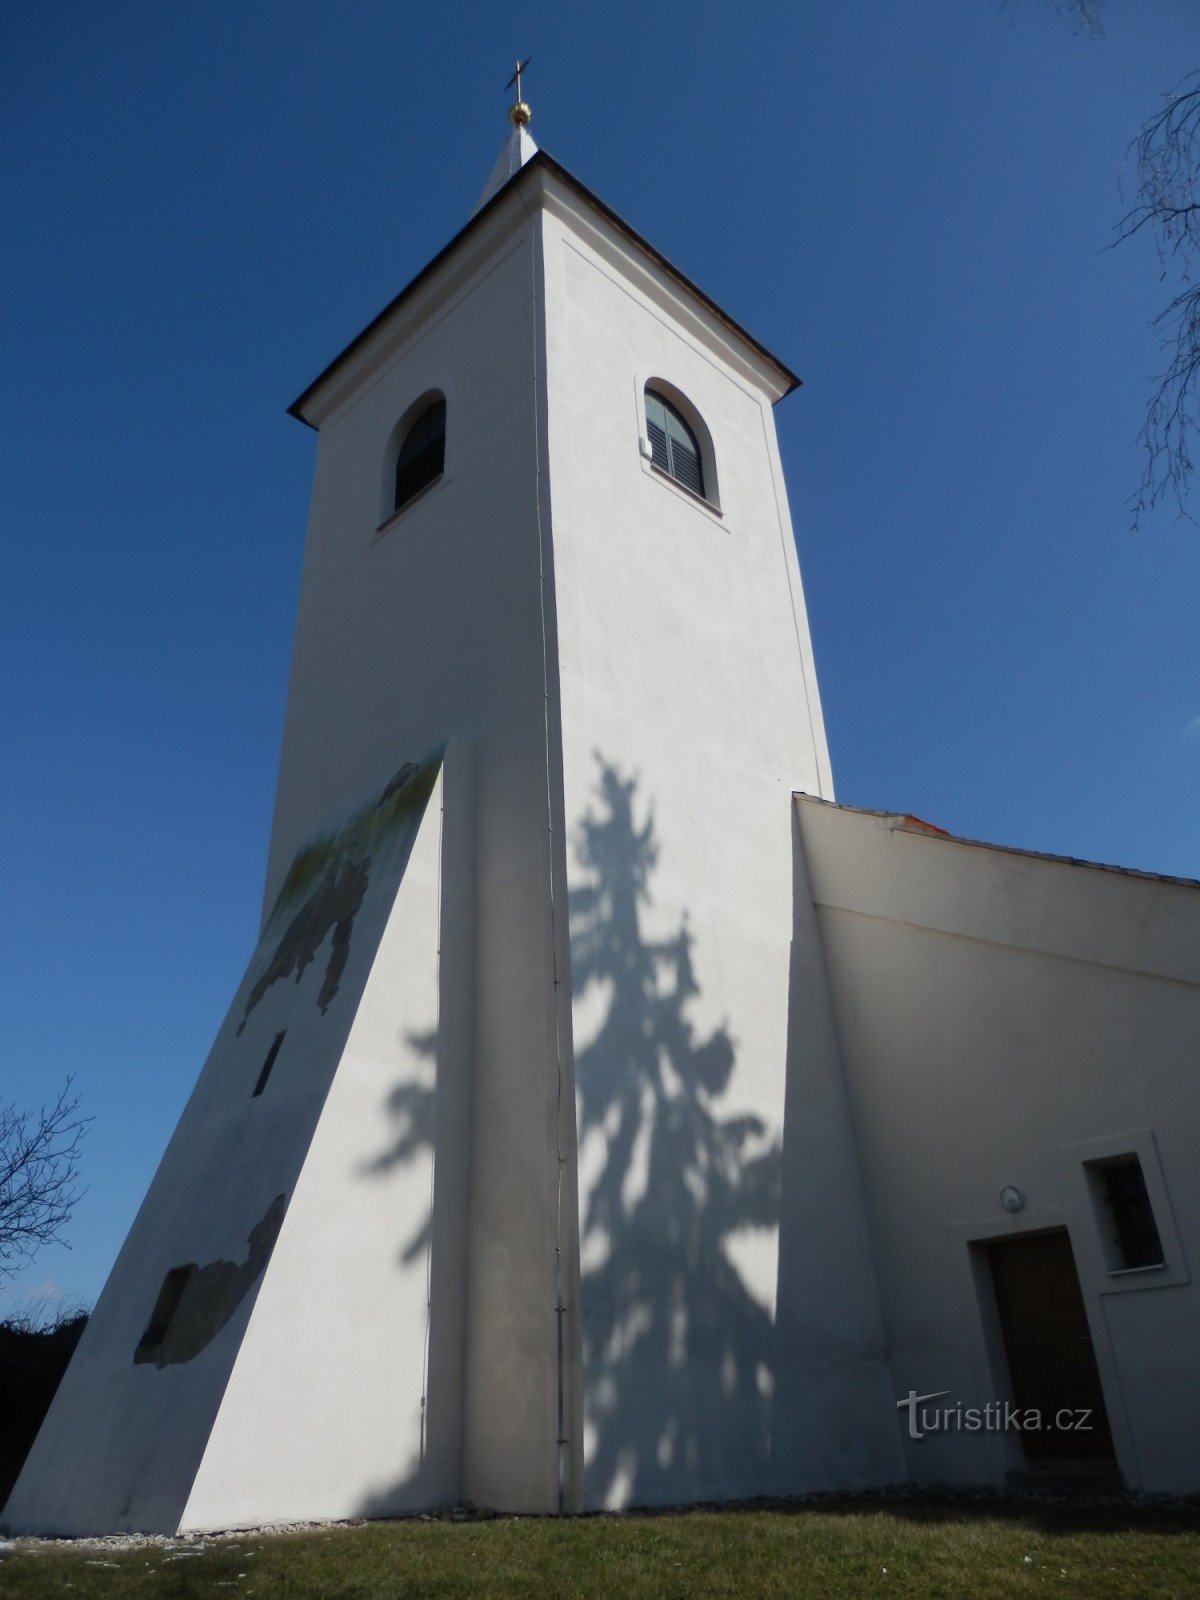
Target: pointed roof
<point>527,160</point>
<point>518,149</point>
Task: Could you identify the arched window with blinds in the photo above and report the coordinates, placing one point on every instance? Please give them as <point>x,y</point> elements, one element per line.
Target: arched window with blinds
<point>422,455</point>
<point>674,447</point>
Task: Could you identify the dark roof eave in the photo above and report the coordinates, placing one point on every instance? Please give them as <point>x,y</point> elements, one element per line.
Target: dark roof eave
<point>296,409</point>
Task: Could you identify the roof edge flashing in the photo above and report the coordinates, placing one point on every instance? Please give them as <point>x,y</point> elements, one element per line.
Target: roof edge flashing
<point>904,822</point>
<point>309,406</point>
<point>535,176</point>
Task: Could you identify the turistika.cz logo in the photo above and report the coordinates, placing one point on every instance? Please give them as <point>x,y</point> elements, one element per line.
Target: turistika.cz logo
<point>998,1416</point>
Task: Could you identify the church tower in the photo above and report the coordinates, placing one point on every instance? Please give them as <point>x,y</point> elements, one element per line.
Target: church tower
<point>478,1195</point>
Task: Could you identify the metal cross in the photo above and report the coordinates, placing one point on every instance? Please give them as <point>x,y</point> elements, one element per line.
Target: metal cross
<point>516,77</point>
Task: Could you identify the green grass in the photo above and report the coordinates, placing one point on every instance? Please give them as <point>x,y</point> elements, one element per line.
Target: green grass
<point>918,1550</point>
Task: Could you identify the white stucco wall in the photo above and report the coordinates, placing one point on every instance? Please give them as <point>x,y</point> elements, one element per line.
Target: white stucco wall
<point>604,641</point>
<point>689,712</point>
<point>332,1408</point>
<point>435,627</point>
<point>1004,1018</point>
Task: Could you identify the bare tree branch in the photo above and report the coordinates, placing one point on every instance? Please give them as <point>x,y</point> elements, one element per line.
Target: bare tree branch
<point>1085,16</point>
<point>39,1165</point>
<point>1167,158</point>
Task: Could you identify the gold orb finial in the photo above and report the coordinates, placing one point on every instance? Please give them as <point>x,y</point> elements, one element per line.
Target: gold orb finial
<point>519,114</point>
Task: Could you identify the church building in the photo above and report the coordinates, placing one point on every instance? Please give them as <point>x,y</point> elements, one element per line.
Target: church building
<point>607,1117</point>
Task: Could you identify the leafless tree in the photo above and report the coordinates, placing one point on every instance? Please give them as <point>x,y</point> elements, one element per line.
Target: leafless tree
<point>1166,160</point>
<point>39,1168</point>
<point>1167,156</point>
<point>1085,16</point>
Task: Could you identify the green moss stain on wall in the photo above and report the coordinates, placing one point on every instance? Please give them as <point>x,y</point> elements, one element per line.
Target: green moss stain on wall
<point>334,904</point>
<point>329,877</point>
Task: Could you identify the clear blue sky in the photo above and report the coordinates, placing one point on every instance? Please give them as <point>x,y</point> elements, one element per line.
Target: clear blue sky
<point>202,203</point>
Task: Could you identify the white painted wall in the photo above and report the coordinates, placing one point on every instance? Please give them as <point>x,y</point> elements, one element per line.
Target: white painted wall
<point>615,651</point>
<point>834,1402</point>
<point>689,713</point>
<point>435,627</point>
<point>557,601</point>
<point>1003,1019</point>
<point>324,1413</point>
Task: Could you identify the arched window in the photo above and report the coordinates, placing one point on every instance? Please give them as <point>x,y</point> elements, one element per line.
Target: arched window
<point>673,445</point>
<point>422,455</point>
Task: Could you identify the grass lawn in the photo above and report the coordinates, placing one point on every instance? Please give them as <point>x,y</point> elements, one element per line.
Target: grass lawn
<point>906,1550</point>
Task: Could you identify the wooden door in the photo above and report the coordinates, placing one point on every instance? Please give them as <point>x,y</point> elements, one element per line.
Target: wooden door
<point>1050,1358</point>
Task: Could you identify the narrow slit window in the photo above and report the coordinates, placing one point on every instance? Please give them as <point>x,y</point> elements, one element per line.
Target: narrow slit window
<point>165,1307</point>
<point>422,455</point>
<point>272,1053</point>
<point>673,446</point>
<point>1135,1230</point>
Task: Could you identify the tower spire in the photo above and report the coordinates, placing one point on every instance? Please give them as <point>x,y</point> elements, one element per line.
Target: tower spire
<point>519,145</point>
<point>519,113</point>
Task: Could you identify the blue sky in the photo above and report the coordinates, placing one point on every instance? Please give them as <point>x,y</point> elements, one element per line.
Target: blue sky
<point>202,203</point>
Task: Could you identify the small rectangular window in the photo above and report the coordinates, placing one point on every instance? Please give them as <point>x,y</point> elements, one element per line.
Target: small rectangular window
<point>1135,1233</point>
<point>165,1307</point>
<point>267,1065</point>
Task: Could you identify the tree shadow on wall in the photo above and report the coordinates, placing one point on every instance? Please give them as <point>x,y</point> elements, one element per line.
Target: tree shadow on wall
<point>678,1354</point>
<point>411,1109</point>
<point>678,1361</point>
<point>434,1453</point>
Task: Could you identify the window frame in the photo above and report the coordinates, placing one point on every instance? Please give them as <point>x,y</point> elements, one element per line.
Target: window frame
<point>1109,1273</point>
<point>397,438</point>
<point>1131,1214</point>
<point>680,457</point>
<point>649,382</point>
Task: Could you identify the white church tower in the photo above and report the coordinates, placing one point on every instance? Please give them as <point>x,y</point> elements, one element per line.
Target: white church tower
<point>478,1195</point>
